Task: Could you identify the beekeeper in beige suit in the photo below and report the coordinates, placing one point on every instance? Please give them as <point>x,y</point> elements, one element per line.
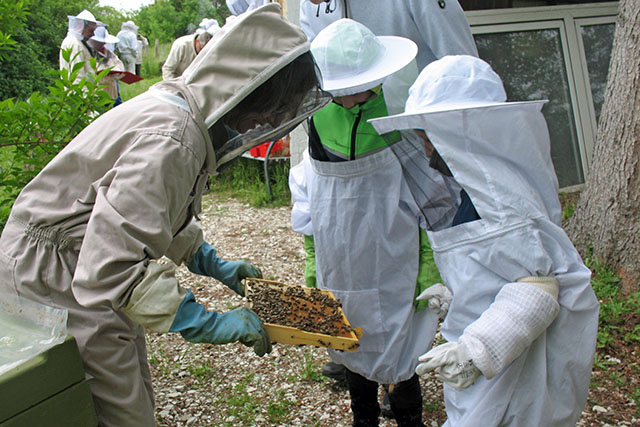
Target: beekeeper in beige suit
<point>85,234</point>
<point>184,50</point>
<point>81,28</point>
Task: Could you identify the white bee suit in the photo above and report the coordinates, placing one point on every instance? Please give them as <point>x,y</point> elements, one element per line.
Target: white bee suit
<point>500,155</point>
<point>365,227</point>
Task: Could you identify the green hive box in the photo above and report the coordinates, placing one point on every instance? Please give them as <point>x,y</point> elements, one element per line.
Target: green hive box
<point>47,390</point>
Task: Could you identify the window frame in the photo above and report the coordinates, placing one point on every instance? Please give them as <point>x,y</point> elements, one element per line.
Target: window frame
<point>568,21</point>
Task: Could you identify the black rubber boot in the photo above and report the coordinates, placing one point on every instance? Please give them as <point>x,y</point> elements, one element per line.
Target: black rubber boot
<point>364,400</point>
<point>406,402</point>
<point>385,407</point>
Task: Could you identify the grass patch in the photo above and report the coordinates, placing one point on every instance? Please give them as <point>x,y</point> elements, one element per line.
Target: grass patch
<point>245,181</point>
<point>244,404</point>
<point>131,91</point>
<point>159,359</point>
<point>242,408</point>
<point>279,409</point>
<point>616,365</point>
<point>310,368</point>
<point>619,313</point>
<point>432,406</point>
<point>203,372</point>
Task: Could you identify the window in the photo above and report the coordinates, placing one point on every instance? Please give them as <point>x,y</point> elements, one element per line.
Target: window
<point>558,53</point>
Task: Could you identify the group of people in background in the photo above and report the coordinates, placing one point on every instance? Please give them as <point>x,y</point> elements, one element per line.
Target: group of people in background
<point>417,150</point>
<point>89,38</point>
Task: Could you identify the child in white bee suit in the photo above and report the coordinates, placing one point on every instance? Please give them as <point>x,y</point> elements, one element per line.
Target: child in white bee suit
<point>521,326</point>
<point>351,197</point>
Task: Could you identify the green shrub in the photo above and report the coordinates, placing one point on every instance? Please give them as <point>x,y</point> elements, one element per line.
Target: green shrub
<point>33,131</point>
<point>12,17</point>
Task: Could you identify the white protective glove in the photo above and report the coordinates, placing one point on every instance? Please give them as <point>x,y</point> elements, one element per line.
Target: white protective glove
<point>520,313</point>
<point>452,363</point>
<point>439,298</point>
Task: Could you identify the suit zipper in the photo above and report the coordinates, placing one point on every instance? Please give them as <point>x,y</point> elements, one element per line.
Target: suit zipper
<point>354,131</point>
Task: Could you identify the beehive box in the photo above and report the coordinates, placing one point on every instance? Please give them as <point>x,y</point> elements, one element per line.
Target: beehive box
<point>297,315</point>
<point>49,390</point>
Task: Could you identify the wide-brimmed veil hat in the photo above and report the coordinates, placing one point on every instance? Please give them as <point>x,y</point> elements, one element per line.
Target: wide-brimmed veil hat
<point>78,23</point>
<point>454,82</point>
<point>85,15</point>
<point>352,59</point>
<point>101,35</point>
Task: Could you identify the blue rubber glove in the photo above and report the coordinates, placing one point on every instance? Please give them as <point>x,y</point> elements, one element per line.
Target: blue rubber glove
<point>197,325</point>
<point>206,263</point>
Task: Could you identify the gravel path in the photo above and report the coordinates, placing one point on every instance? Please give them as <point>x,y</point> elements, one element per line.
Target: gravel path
<point>206,385</point>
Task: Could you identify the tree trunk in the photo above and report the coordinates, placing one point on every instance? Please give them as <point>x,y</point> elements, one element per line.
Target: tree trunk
<point>606,223</point>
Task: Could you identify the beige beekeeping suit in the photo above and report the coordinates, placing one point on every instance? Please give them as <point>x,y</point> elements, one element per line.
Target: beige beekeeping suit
<point>80,28</point>
<point>85,234</point>
<point>182,53</point>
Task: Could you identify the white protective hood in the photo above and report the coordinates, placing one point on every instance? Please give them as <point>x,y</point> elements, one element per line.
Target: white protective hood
<point>77,23</point>
<point>506,170</point>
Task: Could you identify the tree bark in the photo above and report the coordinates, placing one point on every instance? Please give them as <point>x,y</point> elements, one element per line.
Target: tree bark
<point>606,222</point>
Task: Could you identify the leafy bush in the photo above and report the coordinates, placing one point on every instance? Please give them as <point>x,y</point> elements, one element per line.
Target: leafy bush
<point>32,132</point>
<point>8,27</point>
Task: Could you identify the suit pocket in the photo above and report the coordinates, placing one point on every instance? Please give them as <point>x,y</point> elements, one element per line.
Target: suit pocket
<point>362,309</point>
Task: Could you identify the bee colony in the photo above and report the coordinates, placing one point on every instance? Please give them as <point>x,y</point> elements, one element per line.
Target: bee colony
<point>301,316</point>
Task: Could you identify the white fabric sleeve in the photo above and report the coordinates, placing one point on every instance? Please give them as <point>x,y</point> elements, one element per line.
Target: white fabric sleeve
<point>155,300</point>
<point>298,184</point>
<point>446,30</point>
<point>520,313</point>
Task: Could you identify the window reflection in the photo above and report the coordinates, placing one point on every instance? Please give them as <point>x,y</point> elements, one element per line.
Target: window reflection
<point>532,66</point>
<point>598,42</point>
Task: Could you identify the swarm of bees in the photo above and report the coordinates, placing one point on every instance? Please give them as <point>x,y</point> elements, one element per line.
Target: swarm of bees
<point>307,309</point>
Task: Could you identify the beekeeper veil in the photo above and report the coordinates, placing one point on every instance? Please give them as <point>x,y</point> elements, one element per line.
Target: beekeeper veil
<point>229,71</point>
<point>78,23</point>
<point>497,151</point>
<point>129,26</point>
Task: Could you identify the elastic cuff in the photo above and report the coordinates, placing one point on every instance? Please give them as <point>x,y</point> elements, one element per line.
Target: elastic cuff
<point>548,284</point>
